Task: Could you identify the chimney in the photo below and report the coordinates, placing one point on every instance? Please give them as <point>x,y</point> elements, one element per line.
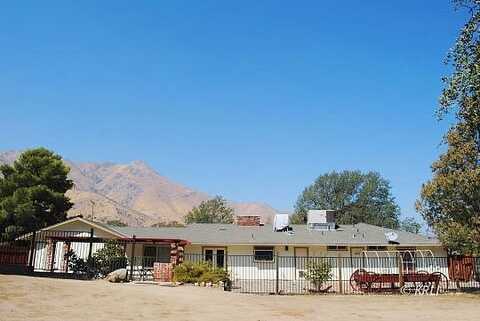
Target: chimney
<point>248,220</point>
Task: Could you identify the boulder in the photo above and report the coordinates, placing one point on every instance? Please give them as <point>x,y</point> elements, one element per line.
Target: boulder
<point>116,276</point>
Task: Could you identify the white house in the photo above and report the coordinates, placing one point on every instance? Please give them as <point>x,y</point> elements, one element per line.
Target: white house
<point>250,250</point>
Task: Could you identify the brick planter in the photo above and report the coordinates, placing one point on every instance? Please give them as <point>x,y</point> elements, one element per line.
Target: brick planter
<point>162,272</point>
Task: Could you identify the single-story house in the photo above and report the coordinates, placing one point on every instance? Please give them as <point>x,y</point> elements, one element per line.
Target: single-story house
<point>248,249</point>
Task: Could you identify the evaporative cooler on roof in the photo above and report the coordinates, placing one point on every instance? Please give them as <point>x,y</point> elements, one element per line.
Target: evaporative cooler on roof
<point>321,220</point>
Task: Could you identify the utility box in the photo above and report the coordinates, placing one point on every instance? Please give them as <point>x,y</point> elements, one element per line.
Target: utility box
<point>321,219</point>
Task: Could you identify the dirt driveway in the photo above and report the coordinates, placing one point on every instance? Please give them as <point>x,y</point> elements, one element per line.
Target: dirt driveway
<point>28,298</point>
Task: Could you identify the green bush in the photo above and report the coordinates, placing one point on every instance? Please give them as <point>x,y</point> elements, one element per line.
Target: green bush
<point>102,262</point>
<point>214,276</point>
<point>109,258</point>
<point>189,272</point>
<point>318,273</point>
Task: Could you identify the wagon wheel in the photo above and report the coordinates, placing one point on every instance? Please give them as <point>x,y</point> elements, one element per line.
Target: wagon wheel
<point>423,282</point>
<point>442,284</point>
<point>355,283</point>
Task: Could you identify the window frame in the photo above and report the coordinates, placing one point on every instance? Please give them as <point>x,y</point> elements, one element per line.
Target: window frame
<point>264,249</point>
<point>157,256</point>
<point>337,248</point>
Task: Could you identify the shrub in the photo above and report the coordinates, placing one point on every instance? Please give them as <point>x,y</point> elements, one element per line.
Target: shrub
<point>80,266</point>
<point>318,273</point>
<point>109,258</point>
<point>214,276</point>
<point>189,272</point>
<point>102,262</point>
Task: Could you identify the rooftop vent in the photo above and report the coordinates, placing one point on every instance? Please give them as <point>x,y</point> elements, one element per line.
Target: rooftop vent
<point>321,220</point>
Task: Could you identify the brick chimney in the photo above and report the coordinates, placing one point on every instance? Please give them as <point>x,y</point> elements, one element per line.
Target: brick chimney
<point>248,220</point>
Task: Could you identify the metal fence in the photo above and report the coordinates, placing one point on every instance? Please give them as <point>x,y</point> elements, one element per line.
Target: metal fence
<point>59,253</point>
<point>345,275</point>
<point>75,254</point>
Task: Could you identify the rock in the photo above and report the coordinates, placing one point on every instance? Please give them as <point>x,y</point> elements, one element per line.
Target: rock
<point>116,276</point>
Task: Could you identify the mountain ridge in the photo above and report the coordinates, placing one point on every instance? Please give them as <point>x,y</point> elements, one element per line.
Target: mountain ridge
<point>135,193</point>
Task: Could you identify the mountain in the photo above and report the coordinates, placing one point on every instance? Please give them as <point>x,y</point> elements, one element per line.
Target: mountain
<point>135,194</point>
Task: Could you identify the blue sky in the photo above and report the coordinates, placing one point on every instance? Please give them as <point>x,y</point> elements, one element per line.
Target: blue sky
<point>248,99</point>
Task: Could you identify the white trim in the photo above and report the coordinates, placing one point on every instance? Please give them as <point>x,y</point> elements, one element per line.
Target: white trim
<point>93,224</point>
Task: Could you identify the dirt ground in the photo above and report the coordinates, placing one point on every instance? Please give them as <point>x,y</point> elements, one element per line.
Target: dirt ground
<point>29,298</point>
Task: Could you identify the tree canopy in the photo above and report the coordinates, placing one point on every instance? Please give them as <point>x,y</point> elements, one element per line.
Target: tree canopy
<point>215,210</point>
<point>450,201</point>
<point>116,222</point>
<point>32,192</point>
<point>411,225</point>
<point>356,196</point>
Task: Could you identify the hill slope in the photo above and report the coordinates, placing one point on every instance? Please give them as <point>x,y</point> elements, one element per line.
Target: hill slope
<point>135,194</point>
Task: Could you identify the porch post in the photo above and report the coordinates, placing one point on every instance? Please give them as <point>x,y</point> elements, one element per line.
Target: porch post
<point>91,245</point>
<point>66,249</point>
<point>132,258</point>
<point>52,255</point>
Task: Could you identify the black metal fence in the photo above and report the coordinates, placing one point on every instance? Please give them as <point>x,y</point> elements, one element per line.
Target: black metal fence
<point>346,275</point>
<point>61,254</point>
<point>78,255</point>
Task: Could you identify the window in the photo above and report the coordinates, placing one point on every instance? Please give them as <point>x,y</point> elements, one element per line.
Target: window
<point>263,253</point>
<point>216,256</point>
<point>336,248</point>
<point>377,248</point>
<point>155,253</point>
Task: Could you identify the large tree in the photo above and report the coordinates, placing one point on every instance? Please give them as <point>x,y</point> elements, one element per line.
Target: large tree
<point>215,210</point>
<point>450,201</point>
<point>32,192</point>
<point>356,196</point>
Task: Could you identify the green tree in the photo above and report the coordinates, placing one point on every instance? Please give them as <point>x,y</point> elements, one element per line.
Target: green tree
<point>215,210</point>
<point>116,223</point>
<point>450,201</point>
<point>32,192</point>
<point>411,225</point>
<point>356,196</point>
<point>167,224</point>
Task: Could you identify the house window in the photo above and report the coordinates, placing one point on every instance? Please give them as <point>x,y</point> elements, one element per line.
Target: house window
<point>263,253</point>
<point>155,253</point>
<point>336,248</point>
<point>377,248</point>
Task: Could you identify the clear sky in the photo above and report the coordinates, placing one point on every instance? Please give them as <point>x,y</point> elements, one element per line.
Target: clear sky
<point>248,99</point>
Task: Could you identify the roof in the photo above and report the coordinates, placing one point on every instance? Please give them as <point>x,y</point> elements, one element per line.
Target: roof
<point>231,234</point>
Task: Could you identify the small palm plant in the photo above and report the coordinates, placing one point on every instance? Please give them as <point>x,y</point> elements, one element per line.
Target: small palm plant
<point>318,273</point>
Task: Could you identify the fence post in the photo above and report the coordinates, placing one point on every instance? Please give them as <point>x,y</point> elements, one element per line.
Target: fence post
<point>276,273</point>
<point>132,258</point>
<point>32,253</point>
<point>340,279</point>
<point>53,254</point>
<point>91,245</point>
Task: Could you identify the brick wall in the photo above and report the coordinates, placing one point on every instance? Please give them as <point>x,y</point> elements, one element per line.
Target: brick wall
<point>162,272</point>
<point>248,220</point>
